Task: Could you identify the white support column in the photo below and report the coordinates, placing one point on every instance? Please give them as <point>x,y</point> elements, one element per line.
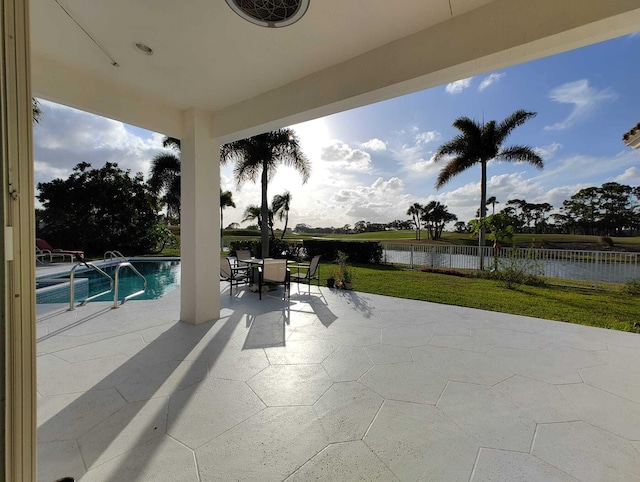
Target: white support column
<point>17,249</point>
<point>199,221</point>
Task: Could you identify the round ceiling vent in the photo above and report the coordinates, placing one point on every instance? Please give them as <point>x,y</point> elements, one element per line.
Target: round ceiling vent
<point>270,13</point>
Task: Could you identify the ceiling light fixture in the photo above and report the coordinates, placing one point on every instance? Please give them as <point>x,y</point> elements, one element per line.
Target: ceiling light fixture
<point>270,13</point>
<point>144,48</point>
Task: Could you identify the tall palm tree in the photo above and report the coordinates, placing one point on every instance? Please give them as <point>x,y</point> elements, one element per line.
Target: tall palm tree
<point>415,211</point>
<point>226,201</point>
<point>478,144</point>
<point>493,201</point>
<point>280,207</point>
<point>258,157</point>
<point>164,180</point>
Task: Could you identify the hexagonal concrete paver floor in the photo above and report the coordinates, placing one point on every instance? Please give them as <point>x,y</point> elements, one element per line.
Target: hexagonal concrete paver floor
<point>333,385</point>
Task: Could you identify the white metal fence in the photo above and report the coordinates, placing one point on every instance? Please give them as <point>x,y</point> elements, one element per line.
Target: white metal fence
<point>592,266</point>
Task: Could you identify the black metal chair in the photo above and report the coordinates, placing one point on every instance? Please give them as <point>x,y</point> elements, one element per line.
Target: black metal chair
<point>234,275</point>
<point>312,271</point>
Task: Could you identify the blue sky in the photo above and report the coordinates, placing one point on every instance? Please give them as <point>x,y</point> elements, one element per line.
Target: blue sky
<point>371,163</point>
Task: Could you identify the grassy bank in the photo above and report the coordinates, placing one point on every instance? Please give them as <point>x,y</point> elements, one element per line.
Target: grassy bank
<point>447,238</point>
<point>606,309</point>
<point>615,310</point>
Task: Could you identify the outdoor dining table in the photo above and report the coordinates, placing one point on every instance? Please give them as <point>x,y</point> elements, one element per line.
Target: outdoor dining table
<point>255,263</point>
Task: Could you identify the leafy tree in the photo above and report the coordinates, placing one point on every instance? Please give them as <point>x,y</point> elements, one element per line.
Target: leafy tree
<point>258,157</point>
<point>280,207</point>
<point>302,228</point>
<point>609,210</point>
<point>99,210</point>
<point>460,227</point>
<point>478,144</point>
<point>415,211</point>
<point>360,226</point>
<point>164,180</point>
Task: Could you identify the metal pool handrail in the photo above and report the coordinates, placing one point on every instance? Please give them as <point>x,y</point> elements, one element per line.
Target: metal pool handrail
<point>72,285</point>
<point>117,275</point>
<point>114,254</point>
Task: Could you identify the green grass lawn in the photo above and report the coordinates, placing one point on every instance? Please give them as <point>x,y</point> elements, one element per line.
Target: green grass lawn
<point>607,309</point>
<point>614,309</point>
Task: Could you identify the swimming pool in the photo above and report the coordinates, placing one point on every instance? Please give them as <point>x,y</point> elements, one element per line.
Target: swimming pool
<point>163,276</point>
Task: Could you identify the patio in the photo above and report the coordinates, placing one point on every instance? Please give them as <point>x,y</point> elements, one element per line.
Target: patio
<point>333,385</point>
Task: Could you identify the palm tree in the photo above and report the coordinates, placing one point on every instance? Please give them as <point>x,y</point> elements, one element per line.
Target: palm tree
<point>226,200</point>
<point>478,144</point>
<point>258,157</point>
<point>415,211</point>
<point>36,112</point>
<point>280,208</point>
<point>253,213</point>
<point>493,201</point>
<point>164,180</point>
<point>436,215</point>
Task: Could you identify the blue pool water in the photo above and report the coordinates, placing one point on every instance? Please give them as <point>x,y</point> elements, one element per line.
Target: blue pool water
<point>162,277</point>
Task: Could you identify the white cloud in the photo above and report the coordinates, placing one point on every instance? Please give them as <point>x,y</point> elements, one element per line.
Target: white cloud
<point>465,200</point>
<point>547,152</point>
<point>458,86</point>
<point>65,136</point>
<point>631,176</point>
<point>587,169</point>
<point>375,144</point>
<point>341,155</point>
<point>490,79</point>
<point>428,136</point>
<point>424,166</point>
<point>382,201</point>
<point>584,99</point>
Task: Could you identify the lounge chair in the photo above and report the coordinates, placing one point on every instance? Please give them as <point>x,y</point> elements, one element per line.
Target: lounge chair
<point>274,272</point>
<point>232,274</point>
<point>312,271</point>
<point>45,248</point>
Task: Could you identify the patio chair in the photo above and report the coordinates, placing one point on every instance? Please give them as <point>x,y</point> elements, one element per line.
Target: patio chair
<point>232,274</point>
<point>45,247</point>
<point>312,271</point>
<point>274,272</point>
<point>242,254</point>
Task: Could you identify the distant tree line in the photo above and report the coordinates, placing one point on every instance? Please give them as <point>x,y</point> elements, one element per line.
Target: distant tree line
<point>612,209</point>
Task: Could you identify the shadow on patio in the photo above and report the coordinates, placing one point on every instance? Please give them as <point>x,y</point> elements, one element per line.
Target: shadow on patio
<point>333,384</point>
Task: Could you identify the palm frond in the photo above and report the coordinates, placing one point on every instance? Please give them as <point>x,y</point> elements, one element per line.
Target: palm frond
<point>516,119</point>
<point>521,154</point>
<point>454,167</point>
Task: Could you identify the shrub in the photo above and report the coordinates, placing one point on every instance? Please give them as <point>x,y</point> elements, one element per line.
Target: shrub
<point>278,248</point>
<point>517,270</point>
<point>606,241</point>
<point>160,237</point>
<point>366,252</point>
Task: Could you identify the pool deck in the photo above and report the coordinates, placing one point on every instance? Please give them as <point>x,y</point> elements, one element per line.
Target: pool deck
<point>333,385</point>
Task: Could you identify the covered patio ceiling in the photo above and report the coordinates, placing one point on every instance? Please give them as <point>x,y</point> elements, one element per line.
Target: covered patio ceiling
<point>340,55</point>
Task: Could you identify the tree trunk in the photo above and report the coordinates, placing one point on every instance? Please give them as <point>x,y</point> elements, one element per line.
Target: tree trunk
<point>264,212</point>
<point>483,211</point>
<point>286,221</point>
<point>221,228</point>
